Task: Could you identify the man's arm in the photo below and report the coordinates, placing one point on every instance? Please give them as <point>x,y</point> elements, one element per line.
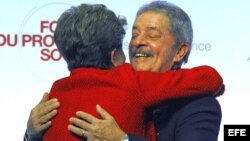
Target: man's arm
<point>99,129</point>
<point>96,129</point>
<point>136,138</point>
<point>189,119</point>
<point>194,118</point>
<point>40,116</point>
<point>204,121</point>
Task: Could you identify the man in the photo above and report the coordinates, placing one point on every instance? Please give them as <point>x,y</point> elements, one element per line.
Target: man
<point>154,47</point>
<point>162,33</point>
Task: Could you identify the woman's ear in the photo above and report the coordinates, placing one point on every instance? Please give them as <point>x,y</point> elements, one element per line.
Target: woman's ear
<point>117,57</point>
<point>181,53</point>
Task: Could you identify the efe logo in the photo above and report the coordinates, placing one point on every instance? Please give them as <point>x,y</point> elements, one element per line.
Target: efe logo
<point>237,132</point>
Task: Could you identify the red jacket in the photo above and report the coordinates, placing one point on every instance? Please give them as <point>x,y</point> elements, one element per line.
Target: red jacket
<point>125,94</point>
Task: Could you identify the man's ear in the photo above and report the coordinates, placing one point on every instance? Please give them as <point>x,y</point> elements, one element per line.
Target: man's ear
<point>181,53</point>
<point>117,57</point>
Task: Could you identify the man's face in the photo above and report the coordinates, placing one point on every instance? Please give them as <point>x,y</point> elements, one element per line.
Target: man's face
<point>151,45</point>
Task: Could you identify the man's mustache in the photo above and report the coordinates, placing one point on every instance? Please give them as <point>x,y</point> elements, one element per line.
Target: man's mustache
<point>138,50</point>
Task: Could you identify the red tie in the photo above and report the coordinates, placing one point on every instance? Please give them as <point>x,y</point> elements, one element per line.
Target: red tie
<point>151,131</point>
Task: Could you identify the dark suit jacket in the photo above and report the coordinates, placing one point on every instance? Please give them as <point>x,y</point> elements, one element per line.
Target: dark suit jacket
<point>187,119</point>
